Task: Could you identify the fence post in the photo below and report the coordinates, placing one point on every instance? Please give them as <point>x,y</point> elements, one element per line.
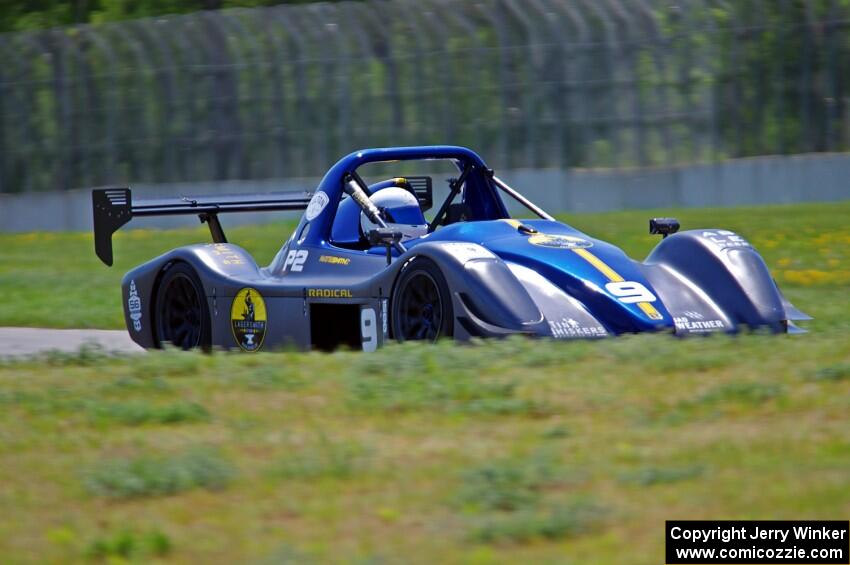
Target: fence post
<point>3,87</point>
<point>530,96</point>
<point>503,154</point>
<point>573,132</point>
<point>806,79</point>
<point>300,114</point>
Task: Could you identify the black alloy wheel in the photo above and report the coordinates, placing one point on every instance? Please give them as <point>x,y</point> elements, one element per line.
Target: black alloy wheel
<point>421,306</point>
<point>182,317</point>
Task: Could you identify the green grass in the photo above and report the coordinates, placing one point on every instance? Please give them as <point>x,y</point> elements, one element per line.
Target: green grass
<point>508,485</point>
<point>301,462</point>
<point>563,521</point>
<point>512,451</point>
<point>319,458</point>
<point>128,545</point>
<point>137,413</point>
<point>163,475</point>
<point>55,280</point>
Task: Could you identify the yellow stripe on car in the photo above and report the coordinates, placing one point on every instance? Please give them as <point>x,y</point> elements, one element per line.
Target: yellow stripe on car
<point>650,311</point>
<point>600,265</point>
<point>614,276</point>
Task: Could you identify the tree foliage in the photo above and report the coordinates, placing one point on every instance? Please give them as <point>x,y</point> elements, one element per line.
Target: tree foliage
<point>283,91</point>
<point>19,15</point>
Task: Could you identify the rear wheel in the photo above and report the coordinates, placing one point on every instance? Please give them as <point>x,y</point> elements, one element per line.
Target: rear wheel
<point>422,305</point>
<point>182,315</point>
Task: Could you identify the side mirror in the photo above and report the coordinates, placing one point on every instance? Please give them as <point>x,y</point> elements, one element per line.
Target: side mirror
<point>387,237</point>
<point>383,236</point>
<point>663,226</point>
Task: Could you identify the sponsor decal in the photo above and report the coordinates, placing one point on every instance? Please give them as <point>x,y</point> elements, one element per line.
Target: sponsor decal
<point>134,306</point>
<point>630,292</point>
<point>694,322</point>
<point>334,260</point>
<point>249,319</point>
<point>328,293</point>
<point>295,260</point>
<point>724,239</point>
<point>627,289</point>
<point>368,329</point>
<point>384,308</point>
<point>316,205</point>
<point>559,241</point>
<point>226,254</point>
<point>568,327</point>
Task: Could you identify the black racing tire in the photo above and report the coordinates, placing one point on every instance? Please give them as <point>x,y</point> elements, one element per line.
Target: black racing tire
<point>181,313</point>
<point>421,303</point>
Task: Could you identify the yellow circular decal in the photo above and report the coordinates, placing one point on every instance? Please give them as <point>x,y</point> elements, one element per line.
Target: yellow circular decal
<point>559,241</point>
<point>248,319</point>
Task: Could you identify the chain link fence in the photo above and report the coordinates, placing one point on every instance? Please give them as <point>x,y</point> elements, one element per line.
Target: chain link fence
<point>284,91</point>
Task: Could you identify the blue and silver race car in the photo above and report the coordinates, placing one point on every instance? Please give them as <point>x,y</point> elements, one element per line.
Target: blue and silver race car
<point>365,266</point>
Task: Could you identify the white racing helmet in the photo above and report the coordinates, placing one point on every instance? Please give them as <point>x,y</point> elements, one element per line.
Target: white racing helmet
<point>400,210</point>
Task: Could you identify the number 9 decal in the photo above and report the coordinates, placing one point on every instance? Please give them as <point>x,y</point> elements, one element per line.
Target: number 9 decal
<point>630,292</point>
<point>368,329</point>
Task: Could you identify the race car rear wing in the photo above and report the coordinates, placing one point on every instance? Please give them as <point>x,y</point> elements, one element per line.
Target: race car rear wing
<point>114,207</point>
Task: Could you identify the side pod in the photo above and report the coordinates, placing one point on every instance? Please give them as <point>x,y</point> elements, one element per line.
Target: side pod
<point>488,299</point>
<point>727,268</point>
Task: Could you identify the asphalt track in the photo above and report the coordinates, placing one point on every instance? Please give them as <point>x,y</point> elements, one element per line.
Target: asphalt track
<point>23,342</point>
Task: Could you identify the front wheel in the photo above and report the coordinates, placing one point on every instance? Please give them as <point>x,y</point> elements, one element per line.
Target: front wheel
<point>182,314</point>
<point>422,304</point>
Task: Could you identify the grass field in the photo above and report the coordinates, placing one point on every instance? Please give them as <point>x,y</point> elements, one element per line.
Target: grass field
<point>502,452</point>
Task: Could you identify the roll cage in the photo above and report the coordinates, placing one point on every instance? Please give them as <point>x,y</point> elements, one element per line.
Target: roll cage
<point>478,183</point>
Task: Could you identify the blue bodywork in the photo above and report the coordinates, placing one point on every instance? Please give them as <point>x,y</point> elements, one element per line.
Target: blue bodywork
<point>566,269</point>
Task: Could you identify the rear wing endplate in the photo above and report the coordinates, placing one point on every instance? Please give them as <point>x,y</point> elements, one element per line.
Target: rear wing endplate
<point>114,207</point>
